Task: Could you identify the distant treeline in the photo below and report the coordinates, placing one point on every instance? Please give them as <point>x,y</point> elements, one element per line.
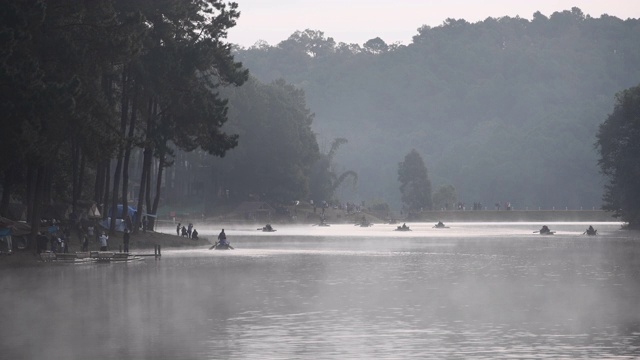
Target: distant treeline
<point>505,109</point>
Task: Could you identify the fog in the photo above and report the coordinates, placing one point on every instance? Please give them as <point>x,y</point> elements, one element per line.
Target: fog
<point>503,292</point>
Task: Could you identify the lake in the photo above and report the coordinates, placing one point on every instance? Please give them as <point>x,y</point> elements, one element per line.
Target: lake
<point>473,291</point>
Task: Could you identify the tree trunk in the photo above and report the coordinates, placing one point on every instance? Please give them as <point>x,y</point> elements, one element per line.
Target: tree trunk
<point>83,164</point>
<point>124,110</point>
<point>146,167</point>
<point>75,176</point>
<point>148,183</point>
<point>97,190</point>
<point>129,144</point>
<point>32,174</point>
<point>156,199</point>
<point>7,187</point>
<point>39,184</point>
<point>107,179</point>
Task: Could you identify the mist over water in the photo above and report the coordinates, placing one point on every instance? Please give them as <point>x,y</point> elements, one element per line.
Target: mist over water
<point>474,291</point>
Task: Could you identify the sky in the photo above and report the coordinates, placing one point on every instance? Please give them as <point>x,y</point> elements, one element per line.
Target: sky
<point>356,21</point>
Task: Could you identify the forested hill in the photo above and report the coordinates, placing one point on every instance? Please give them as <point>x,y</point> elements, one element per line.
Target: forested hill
<point>505,109</point>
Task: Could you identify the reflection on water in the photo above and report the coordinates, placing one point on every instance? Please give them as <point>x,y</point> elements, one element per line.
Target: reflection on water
<point>479,291</point>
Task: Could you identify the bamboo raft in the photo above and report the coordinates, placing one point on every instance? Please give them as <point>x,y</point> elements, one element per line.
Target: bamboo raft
<point>95,257</point>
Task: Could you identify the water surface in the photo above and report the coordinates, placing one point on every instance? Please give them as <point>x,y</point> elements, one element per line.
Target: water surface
<point>474,291</point>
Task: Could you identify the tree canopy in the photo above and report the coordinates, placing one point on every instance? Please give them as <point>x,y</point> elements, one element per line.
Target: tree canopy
<point>77,76</point>
<point>618,142</point>
<point>415,186</point>
<point>503,109</point>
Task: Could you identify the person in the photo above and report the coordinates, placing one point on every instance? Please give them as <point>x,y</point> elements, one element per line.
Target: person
<point>440,224</point>
<point>62,240</point>
<point>52,243</point>
<point>85,242</point>
<point>178,229</point>
<point>189,230</point>
<point>591,230</point>
<point>404,226</point>
<point>268,227</point>
<point>222,238</point>
<point>125,240</point>
<point>103,242</point>
<point>194,234</point>
<point>42,242</point>
<point>184,231</point>
<point>544,230</point>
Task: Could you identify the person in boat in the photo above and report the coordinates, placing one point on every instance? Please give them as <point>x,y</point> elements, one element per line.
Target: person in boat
<point>591,230</point>
<point>544,230</point>
<point>404,226</point>
<point>268,227</point>
<point>222,238</point>
<point>440,224</point>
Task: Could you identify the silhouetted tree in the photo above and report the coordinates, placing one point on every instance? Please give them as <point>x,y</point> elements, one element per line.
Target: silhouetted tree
<point>618,142</point>
<point>414,182</point>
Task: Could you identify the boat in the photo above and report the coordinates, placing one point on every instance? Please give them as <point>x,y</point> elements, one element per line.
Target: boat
<point>440,225</point>
<point>223,247</point>
<point>267,228</point>
<point>88,257</point>
<point>404,227</point>
<point>113,257</point>
<point>545,231</point>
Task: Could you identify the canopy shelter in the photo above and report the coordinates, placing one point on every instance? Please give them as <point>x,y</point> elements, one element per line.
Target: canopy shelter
<point>131,212</point>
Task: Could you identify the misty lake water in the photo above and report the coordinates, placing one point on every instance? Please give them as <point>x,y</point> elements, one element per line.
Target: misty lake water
<point>473,291</point>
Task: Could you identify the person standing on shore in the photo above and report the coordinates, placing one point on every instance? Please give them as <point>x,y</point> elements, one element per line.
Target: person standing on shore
<point>103,242</point>
<point>85,242</point>
<point>178,229</point>
<point>125,240</point>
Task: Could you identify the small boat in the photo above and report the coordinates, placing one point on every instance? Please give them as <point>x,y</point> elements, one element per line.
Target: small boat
<point>440,225</point>
<point>267,228</point>
<point>545,231</point>
<point>404,227</point>
<point>223,247</point>
<point>218,246</point>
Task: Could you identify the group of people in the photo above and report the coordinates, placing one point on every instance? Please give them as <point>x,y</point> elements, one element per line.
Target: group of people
<point>58,241</point>
<point>189,231</point>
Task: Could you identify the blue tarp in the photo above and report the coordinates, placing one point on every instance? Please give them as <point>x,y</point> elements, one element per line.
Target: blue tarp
<point>131,212</point>
<point>120,224</point>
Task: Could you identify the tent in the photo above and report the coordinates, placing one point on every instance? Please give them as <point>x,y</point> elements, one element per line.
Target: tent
<point>130,211</point>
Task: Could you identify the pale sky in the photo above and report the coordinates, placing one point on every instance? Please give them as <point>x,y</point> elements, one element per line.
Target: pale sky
<point>356,21</point>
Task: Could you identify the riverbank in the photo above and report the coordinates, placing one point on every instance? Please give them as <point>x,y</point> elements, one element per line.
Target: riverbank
<point>143,242</point>
<point>516,216</point>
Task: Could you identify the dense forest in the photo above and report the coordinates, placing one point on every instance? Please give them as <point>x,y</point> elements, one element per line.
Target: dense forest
<point>145,103</point>
<point>93,90</point>
<point>502,110</point>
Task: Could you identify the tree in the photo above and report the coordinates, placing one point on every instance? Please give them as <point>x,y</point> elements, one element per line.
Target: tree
<point>618,142</point>
<point>444,197</point>
<point>376,46</point>
<point>414,182</point>
<point>276,146</point>
<point>324,180</point>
